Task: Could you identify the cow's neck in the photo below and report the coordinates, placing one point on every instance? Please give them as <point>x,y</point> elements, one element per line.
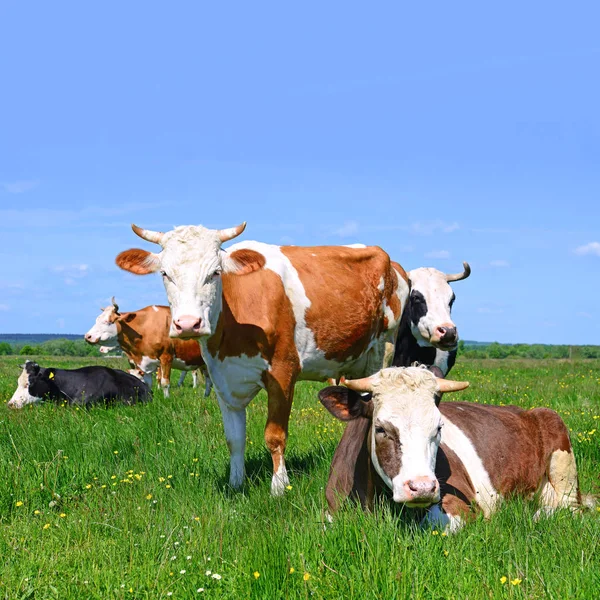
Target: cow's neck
<point>129,338</point>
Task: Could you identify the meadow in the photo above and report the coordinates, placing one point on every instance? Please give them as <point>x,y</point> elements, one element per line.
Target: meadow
<point>133,502</point>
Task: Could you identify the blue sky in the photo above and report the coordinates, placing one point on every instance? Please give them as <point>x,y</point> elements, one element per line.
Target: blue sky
<point>451,132</point>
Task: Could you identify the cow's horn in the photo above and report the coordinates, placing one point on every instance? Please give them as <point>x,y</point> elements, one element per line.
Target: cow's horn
<point>228,234</point>
<point>358,385</point>
<point>446,385</point>
<point>115,305</point>
<point>459,276</point>
<point>146,234</point>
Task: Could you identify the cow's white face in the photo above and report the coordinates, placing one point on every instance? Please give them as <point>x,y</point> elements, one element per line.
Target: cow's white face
<point>406,432</point>
<point>105,329</point>
<point>191,264</point>
<point>23,394</point>
<point>430,304</point>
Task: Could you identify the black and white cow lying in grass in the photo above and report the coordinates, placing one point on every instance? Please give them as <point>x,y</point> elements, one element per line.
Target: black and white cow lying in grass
<point>83,387</point>
<point>453,456</point>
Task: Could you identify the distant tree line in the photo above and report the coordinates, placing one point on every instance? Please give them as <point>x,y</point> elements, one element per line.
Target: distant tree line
<point>78,347</point>
<point>496,350</point>
<point>52,347</point>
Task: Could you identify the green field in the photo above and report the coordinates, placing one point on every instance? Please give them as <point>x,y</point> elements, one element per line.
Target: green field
<point>133,502</point>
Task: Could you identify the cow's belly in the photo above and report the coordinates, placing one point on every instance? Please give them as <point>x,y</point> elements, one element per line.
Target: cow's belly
<point>182,365</point>
<point>237,379</point>
<point>315,367</point>
<point>148,365</point>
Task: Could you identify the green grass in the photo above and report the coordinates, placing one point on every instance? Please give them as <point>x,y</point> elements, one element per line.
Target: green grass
<point>133,502</point>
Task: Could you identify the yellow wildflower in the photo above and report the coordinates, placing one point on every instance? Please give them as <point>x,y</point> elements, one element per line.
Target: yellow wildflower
<point>516,581</point>
<point>292,569</point>
<point>149,497</point>
<point>19,503</point>
<point>503,579</point>
<point>256,574</point>
<point>306,576</point>
<point>62,515</point>
<point>46,526</point>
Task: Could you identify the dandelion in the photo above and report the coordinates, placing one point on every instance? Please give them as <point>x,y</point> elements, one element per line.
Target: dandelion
<point>46,526</point>
<point>62,515</point>
<point>292,569</point>
<point>149,497</point>
<point>216,576</point>
<point>516,581</point>
<point>256,574</point>
<point>37,512</point>
<point>306,576</point>
<point>503,579</point>
<point>288,487</point>
<point>19,503</point>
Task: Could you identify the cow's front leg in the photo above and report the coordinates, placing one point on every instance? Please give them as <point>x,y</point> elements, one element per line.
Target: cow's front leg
<point>207,381</point>
<point>165,378</point>
<point>194,378</point>
<point>182,378</point>
<point>281,393</point>
<point>234,423</point>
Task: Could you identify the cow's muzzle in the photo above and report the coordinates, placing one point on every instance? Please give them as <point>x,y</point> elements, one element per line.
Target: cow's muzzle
<point>187,327</point>
<point>90,339</point>
<point>421,491</point>
<point>445,337</point>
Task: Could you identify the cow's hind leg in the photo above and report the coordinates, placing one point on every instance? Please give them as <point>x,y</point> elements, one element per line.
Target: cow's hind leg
<point>165,377</point>
<point>234,424</point>
<point>182,378</point>
<point>280,389</point>
<point>560,487</point>
<point>195,378</point>
<point>207,381</point>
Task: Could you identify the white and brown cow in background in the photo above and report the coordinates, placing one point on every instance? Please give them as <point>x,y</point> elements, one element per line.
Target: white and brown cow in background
<point>143,336</point>
<point>267,316</point>
<point>453,455</point>
<point>427,334</point>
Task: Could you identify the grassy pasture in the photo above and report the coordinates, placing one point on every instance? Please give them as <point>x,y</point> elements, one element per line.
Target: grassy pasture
<point>133,502</point>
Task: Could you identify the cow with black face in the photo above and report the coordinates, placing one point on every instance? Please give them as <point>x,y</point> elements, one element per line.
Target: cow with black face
<point>427,334</point>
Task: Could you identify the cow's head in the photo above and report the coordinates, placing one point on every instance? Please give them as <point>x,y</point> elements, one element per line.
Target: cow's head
<point>406,426</point>
<point>33,384</point>
<point>191,264</point>
<point>105,329</point>
<point>430,305</point>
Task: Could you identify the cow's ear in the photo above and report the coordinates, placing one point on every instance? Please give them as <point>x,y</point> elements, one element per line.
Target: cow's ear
<point>346,404</point>
<point>128,318</point>
<point>140,262</point>
<point>243,261</point>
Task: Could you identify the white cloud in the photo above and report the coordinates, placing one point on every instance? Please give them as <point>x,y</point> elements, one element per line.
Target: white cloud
<point>347,229</point>
<point>60,323</point>
<point>499,263</point>
<point>438,254</point>
<point>430,227</point>
<point>4,307</point>
<point>591,248</point>
<point>18,187</point>
<point>584,315</point>
<point>72,272</point>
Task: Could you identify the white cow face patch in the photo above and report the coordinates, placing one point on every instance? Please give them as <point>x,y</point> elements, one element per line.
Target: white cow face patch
<point>430,304</point>
<point>406,432</point>
<point>105,329</point>
<point>191,264</point>
<point>23,394</point>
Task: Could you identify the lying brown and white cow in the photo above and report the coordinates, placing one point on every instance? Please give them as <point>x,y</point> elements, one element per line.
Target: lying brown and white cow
<point>268,316</point>
<point>143,335</point>
<point>453,455</point>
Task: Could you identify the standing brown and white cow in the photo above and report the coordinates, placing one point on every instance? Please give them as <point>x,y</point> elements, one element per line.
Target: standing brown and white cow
<point>452,455</point>
<point>267,316</point>
<point>143,335</point>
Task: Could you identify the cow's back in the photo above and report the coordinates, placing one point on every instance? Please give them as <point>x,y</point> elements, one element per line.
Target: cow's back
<point>514,445</point>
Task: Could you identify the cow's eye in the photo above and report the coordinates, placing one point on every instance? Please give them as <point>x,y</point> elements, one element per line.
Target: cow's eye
<point>439,430</point>
<point>164,274</point>
<point>380,431</point>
